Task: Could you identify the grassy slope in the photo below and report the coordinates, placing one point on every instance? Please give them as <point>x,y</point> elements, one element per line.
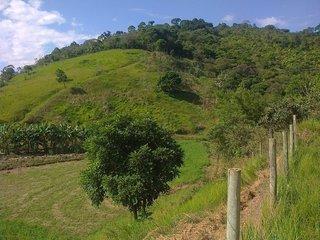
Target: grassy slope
<point>26,92</point>
<point>116,81</point>
<point>297,215</point>
<point>47,202</point>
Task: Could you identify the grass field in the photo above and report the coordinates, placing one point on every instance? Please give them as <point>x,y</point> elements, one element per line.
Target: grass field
<point>297,215</point>
<point>47,202</point>
<point>115,81</point>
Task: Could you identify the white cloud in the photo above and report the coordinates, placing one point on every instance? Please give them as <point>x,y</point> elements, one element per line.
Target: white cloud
<point>26,29</point>
<point>74,23</point>
<point>3,4</point>
<point>19,10</point>
<point>228,18</point>
<point>271,21</point>
<point>114,19</point>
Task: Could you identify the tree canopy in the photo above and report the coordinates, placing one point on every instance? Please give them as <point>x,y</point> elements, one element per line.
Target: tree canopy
<point>131,161</point>
<point>7,73</point>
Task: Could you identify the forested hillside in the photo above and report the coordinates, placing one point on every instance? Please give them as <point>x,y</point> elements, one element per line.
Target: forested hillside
<point>239,77</point>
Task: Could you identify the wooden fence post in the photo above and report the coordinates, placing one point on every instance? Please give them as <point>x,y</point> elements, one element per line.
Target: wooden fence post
<point>295,139</point>
<point>285,159</point>
<point>260,149</point>
<point>273,171</point>
<point>233,211</point>
<point>291,141</point>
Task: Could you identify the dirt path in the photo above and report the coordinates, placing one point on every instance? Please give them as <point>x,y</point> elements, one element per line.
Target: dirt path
<point>213,226</point>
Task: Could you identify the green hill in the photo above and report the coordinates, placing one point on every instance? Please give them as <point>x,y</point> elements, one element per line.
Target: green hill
<point>114,81</point>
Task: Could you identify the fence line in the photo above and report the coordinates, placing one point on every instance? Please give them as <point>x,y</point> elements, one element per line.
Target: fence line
<point>273,171</point>
<point>234,178</point>
<point>291,141</point>
<point>295,140</point>
<point>285,156</point>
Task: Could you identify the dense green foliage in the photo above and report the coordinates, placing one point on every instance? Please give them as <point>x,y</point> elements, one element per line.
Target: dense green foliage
<point>195,38</point>
<point>178,39</point>
<point>132,161</point>
<point>41,138</point>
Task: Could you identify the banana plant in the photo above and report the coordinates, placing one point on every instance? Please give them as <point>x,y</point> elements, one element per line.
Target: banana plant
<point>39,139</point>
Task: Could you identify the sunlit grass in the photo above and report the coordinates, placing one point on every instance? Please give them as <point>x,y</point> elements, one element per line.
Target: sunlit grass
<point>51,198</point>
<point>113,82</point>
<point>297,215</point>
<point>24,93</point>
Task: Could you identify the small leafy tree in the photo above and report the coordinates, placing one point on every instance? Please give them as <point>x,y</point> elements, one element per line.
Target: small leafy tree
<point>170,82</point>
<point>6,74</point>
<point>131,161</point>
<point>62,77</point>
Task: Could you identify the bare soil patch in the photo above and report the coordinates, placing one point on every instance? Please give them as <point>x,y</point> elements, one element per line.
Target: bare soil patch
<point>8,163</point>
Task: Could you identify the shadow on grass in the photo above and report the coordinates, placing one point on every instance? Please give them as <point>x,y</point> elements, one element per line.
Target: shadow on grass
<point>187,96</point>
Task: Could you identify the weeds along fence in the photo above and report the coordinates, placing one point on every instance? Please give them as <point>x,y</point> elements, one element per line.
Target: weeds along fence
<point>40,139</point>
<point>289,146</point>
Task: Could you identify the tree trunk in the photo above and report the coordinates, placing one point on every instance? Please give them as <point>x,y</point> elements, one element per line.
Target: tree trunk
<point>144,205</point>
<point>135,213</point>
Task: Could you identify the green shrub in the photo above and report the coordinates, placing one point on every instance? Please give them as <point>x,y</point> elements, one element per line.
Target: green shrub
<point>230,139</point>
<point>170,82</point>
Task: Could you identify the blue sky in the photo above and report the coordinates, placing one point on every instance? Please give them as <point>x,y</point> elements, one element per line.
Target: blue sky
<point>98,15</point>
<point>31,28</point>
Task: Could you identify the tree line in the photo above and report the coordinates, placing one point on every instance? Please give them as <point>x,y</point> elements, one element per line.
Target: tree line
<point>196,39</point>
<point>8,72</point>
